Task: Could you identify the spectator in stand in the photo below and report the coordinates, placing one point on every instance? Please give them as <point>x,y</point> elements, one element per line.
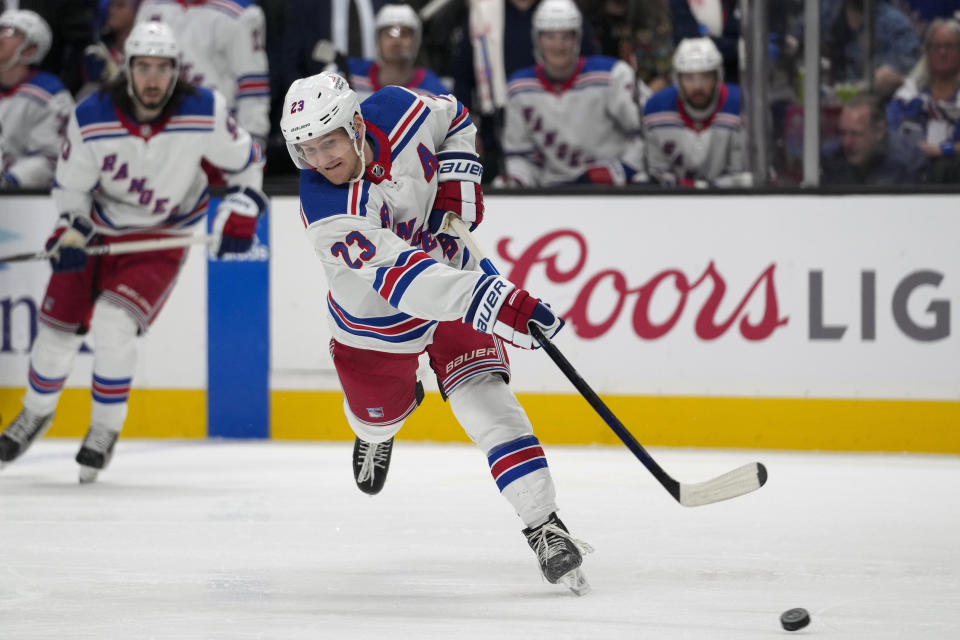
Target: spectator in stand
<point>693,130</point>
<point>897,46</point>
<point>399,32</point>
<point>102,60</point>
<point>869,154</point>
<point>926,108</point>
<point>223,45</point>
<point>497,43</point>
<point>570,119</point>
<point>639,32</point>
<point>923,12</point>
<point>34,105</point>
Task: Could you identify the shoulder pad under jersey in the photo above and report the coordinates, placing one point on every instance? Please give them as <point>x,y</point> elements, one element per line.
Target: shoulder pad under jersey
<point>199,104</point>
<point>663,100</point>
<point>385,107</point>
<point>319,199</point>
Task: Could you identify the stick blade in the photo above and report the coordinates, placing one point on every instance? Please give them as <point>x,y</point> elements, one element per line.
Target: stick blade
<point>741,480</point>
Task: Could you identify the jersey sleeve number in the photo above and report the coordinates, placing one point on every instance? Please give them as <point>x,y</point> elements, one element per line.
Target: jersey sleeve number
<point>342,249</point>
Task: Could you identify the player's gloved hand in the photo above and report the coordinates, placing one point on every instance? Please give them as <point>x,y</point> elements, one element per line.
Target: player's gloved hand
<point>612,172</point>
<point>235,224</point>
<point>501,308</point>
<point>465,199</point>
<point>66,244</point>
<point>459,190</point>
<point>98,64</point>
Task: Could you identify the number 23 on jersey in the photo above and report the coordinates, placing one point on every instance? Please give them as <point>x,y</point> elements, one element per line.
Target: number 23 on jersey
<point>342,249</point>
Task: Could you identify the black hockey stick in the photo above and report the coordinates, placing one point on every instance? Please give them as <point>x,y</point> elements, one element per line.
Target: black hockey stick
<point>741,480</point>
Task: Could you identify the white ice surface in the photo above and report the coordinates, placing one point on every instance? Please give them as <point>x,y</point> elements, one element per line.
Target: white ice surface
<point>272,540</point>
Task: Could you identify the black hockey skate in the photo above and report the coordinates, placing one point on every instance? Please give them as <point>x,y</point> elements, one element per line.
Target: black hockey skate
<point>559,553</point>
<point>95,452</point>
<point>370,464</point>
<point>21,433</point>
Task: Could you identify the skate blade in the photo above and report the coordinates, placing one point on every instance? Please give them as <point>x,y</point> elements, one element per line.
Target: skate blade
<point>88,474</point>
<point>576,582</point>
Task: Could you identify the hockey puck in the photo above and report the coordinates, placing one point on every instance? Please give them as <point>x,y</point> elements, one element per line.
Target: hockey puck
<point>795,619</point>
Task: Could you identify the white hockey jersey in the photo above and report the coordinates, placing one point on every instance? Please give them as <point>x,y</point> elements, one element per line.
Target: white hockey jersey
<point>390,280</point>
<point>33,121</point>
<point>223,44</point>
<point>681,150</point>
<point>146,178</point>
<point>554,133</point>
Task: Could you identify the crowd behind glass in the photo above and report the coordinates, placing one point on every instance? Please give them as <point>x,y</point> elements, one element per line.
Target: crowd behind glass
<point>674,123</point>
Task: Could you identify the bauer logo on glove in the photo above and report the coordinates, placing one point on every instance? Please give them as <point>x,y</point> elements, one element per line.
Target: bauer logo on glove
<point>501,308</point>
<point>458,191</point>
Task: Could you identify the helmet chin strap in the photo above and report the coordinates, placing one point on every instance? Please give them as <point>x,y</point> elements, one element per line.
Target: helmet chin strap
<point>358,148</point>
<point>15,58</point>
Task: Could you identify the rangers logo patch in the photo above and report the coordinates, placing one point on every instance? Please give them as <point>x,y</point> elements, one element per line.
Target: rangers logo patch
<point>375,412</point>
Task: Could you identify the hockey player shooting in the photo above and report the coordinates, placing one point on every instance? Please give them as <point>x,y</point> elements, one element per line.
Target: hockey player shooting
<point>375,185</point>
<point>129,170</point>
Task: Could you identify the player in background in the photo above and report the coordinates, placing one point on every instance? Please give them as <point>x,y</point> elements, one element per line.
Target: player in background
<point>374,187</point>
<point>102,60</point>
<point>34,104</point>
<point>398,42</point>
<point>129,170</point>
<point>570,119</point>
<point>693,129</point>
<point>223,44</point>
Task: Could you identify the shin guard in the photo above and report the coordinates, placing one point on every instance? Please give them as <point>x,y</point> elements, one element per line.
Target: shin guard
<point>51,360</point>
<point>114,362</point>
<point>493,418</point>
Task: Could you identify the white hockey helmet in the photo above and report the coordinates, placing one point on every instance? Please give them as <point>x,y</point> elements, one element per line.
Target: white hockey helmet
<point>698,55</point>
<point>151,39</point>
<point>556,15</point>
<point>314,107</point>
<point>400,15</point>
<point>36,32</point>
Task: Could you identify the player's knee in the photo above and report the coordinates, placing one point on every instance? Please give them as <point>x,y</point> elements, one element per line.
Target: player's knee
<point>371,432</point>
<point>112,325</point>
<point>53,345</point>
<point>488,411</point>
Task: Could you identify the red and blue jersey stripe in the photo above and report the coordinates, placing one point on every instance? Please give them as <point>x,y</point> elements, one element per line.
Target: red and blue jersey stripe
<point>391,282</point>
<point>253,85</point>
<point>320,199</point>
<point>411,121</point>
<point>396,328</point>
<point>460,121</point>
